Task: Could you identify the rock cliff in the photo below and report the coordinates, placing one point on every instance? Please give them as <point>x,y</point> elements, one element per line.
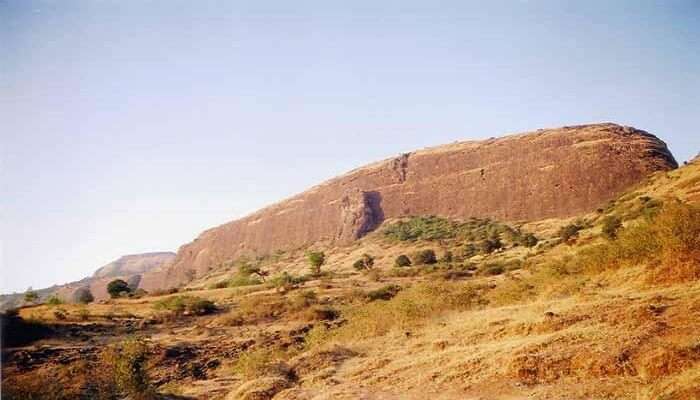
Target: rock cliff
<point>547,173</point>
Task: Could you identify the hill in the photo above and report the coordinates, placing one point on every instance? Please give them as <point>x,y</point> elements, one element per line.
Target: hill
<point>129,267</point>
<point>543,174</point>
<point>600,304</point>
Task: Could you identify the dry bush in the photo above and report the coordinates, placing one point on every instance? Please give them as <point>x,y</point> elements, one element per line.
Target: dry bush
<point>65,383</point>
<point>185,305</point>
<point>408,309</point>
<point>122,372</point>
<point>669,244</point>
<point>261,362</point>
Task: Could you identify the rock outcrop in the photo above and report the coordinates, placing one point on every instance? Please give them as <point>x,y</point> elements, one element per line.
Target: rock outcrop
<point>547,173</point>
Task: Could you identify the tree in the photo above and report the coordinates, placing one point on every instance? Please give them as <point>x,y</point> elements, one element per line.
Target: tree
<point>316,260</point>
<point>247,269</point>
<point>30,296</point>
<point>83,295</point>
<point>611,224</point>
<point>117,287</point>
<point>402,261</point>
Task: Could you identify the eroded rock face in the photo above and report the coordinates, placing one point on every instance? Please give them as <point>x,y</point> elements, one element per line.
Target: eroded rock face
<point>547,173</point>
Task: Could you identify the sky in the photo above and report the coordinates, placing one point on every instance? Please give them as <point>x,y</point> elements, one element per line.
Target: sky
<point>132,126</point>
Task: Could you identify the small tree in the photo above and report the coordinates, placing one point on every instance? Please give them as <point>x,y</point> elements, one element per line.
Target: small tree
<point>83,296</point>
<point>402,261</point>
<point>316,260</point>
<point>611,224</point>
<point>30,296</point>
<point>117,287</point>
<point>247,269</point>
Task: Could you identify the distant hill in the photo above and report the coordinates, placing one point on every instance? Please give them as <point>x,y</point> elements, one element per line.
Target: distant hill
<point>129,267</point>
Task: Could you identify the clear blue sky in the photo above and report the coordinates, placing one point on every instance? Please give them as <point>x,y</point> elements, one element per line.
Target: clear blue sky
<point>131,126</point>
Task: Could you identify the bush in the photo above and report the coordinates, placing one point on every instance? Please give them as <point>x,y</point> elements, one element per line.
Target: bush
<point>260,362</point>
<point>285,281</point>
<point>116,287</point>
<point>611,224</point>
<point>529,240</point>
<point>467,251</point>
<point>488,246</point>
<point>364,263</point>
<point>122,372</point>
<point>384,293</point>
<point>447,257</point>
<point>83,295</point>
<point>30,296</point>
<point>54,300</point>
<point>320,313</point>
<point>406,310</point>
<point>569,232</point>
<point>426,228</point>
<point>494,269</point>
<point>425,257</point>
<point>316,260</point>
<point>402,261</point>
<point>186,305</point>
<point>243,280</point>
<point>668,244</point>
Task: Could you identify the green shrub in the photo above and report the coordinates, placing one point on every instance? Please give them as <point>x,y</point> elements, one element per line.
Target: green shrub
<point>83,295</point>
<point>529,240</point>
<point>316,260</point>
<point>611,224</point>
<point>117,287</point>
<point>285,281</point>
<point>402,261</point>
<point>467,251</point>
<point>123,373</point>
<point>425,228</point>
<point>488,246</point>
<point>54,300</point>
<point>30,296</point>
<point>494,269</point>
<point>569,232</point>
<point>426,256</point>
<point>243,280</point>
<point>384,293</point>
<point>364,263</point>
<point>181,305</point>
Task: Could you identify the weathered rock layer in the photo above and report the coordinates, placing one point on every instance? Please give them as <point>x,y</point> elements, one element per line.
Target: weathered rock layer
<point>547,173</point>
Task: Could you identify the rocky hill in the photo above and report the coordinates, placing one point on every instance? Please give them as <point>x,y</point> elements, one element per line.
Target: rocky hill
<point>531,176</point>
<point>129,267</point>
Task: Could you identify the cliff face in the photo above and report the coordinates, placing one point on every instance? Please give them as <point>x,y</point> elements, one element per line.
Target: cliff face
<point>547,173</point>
